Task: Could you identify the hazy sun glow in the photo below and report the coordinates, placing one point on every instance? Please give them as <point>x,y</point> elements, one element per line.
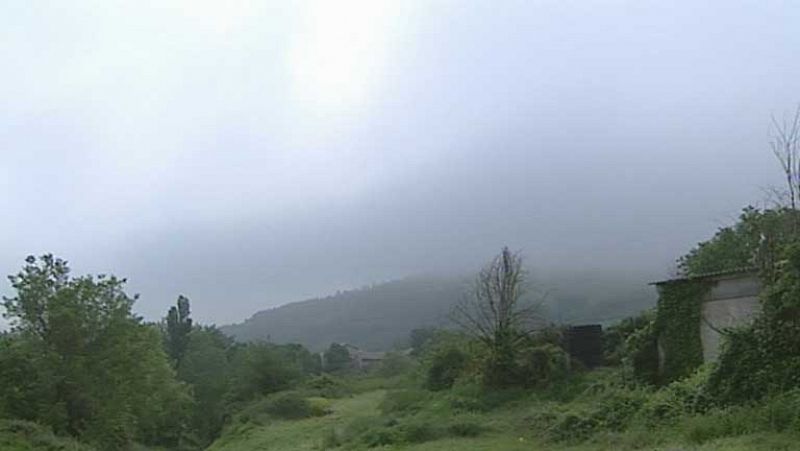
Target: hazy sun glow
<point>337,54</point>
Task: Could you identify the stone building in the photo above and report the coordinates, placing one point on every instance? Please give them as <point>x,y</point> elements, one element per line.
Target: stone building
<point>730,299</point>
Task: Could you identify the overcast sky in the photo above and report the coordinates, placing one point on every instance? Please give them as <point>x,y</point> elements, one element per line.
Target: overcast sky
<point>248,154</point>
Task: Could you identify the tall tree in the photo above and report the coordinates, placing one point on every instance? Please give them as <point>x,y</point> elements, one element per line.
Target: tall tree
<point>785,145</point>
<point>495,315</point>
<point>179,325</point>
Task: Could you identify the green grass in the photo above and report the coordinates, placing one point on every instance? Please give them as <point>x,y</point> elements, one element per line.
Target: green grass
<point>591,414</point>
<point>24,436</point>
<point>307,434</point>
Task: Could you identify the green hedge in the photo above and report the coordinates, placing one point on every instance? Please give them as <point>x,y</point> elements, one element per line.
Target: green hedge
<point>677,327</point>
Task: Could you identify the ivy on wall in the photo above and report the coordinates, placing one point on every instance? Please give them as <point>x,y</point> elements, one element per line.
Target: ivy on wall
<point>677,327</point>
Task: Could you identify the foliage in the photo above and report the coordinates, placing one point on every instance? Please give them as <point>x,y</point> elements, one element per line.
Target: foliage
<point>404,401</point>
<point>445,366</point>
<point>539,366</point>
<point>179,325</point>
<point>687,396</point>
<point>677,327</point>
<point>289,406</point>
<point>497,319</point>
<point>327,386</point>
<point>205,366</point>
<point>17,435</point>
<point>640,355</point>
<point>755,240</point>
<point>395,363</point>
<point>764,358</point>
<point>615,337</point>
<point>91,368</point>
<point>260,369</point>
<point>419,338</point>
<point>336,358</point>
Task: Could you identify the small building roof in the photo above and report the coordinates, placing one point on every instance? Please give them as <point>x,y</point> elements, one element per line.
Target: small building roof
<point>709,275</point>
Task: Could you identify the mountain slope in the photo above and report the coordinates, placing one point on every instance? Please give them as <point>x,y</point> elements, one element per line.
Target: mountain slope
<point>381,316</point>
<point>374,318</point>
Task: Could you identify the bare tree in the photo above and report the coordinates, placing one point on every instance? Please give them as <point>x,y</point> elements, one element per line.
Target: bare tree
<point>785,145</point>
<point>494,313</point>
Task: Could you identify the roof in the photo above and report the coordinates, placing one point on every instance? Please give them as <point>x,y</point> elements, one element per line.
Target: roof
<point>710,275</point>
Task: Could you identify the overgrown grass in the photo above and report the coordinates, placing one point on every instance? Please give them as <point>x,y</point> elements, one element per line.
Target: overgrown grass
<point>594,411</point>
<point>25,436</point>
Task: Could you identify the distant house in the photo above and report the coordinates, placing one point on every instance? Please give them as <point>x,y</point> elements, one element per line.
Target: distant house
<point>727,299</point>
<point>363,360</point>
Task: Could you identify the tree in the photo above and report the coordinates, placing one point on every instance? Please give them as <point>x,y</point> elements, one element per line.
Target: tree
<point>92,369</point>
<point>260,369</point>
<point>785,145</point>
<point>336,358</point>
<point>206,367</point>
<point>496,317</point>
<point>179,325</point>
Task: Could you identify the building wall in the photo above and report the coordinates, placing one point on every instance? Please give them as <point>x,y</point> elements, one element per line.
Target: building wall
<point>732,301</point>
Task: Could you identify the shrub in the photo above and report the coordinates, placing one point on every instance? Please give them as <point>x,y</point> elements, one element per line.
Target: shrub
<point>418,431</point>
<point>465,429</point>
<point>404,401</point>
<point>719,423</point>
<point>539,366</point>
<point>289,406</point>
<point>764,358</point>
<point>327,386</point>
<point>614,337</point>
<point>319,406</point>
<point>394,364</point>
<point>640,355</point>
<point>445,367</point>
<point>687,396</point>
<point>613,411</point>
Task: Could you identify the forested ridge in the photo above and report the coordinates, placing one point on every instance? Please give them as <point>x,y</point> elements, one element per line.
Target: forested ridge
<point>380,316</point>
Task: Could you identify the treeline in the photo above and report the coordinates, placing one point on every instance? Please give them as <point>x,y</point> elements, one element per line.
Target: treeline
<point>77,359</point>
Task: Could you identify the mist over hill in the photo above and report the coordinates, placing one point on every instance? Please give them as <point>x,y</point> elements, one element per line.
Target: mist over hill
<point>380,317</point>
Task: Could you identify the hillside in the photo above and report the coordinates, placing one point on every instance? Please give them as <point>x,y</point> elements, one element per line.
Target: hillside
<point>381,316</point>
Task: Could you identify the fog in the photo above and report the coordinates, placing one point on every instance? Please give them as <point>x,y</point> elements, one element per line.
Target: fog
<point>248,154</point>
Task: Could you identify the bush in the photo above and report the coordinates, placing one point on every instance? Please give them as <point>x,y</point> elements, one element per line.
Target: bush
<point>404,401</point>
<point>613,411</point>
<point>687,396</point>
<point>465,429</point>
<point>395,364</point>
<point>327,386</point>
<point>445,367</point>
<point>539,366</point>
<point>418,431</point>
<point>764,358</point>
<point>719,423</point>
<point>289,406</point>
<point>24,435</point>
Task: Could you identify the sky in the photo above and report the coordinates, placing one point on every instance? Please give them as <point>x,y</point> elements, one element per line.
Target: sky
<point>252,153</point>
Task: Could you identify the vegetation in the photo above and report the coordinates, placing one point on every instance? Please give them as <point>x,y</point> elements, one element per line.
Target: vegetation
<point>379,317</point>
<point>79,371</point>
<point>78,362</point>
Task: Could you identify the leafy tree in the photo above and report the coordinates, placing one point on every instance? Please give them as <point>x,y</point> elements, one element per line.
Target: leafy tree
<point>756,240</point>
<point>205,366</point>
<point>179,325</point>
<point>336,358</point>
<point>260,369</point>
<point>81,362</point>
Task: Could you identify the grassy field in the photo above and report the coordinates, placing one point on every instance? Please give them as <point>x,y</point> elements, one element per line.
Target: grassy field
<point>504,428</point>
